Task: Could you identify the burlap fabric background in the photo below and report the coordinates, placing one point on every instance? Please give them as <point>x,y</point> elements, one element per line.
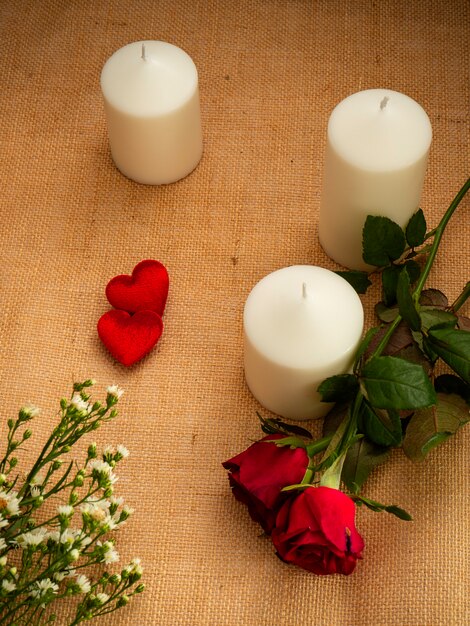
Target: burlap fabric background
<point>270,74</point>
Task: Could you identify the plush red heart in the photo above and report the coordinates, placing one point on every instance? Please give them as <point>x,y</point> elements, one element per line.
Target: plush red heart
<point>129,337</point>
<point>147,288</point>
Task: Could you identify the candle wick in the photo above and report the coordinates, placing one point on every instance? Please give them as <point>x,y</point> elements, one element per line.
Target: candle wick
<point>383,104</point>
<point>143,57</point>
<point>304,290</point>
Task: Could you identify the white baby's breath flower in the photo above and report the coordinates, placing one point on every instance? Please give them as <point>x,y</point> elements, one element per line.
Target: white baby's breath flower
<point>116,500</point>
<point>59,576</point>
<point>8,586</point>
<point>41,587</point>
<point>110,555</point>
<point>3,543</point>
<point>114,390</point>
<point>74,554</point>
<point>108,451</point>
<point>83,583</point>
<point>66,536</point>
<point>9,502</point>
<point>80,404</point>
<point>122,451</point>
<point>30,410</point>
<point>109,522</point>
<point>102,598</point>
<point>66,510</point>
<point>35,492</point>
<point>3,522</point>
<point>38,479</point>
<point>32,538</point>
<point>101,467</point>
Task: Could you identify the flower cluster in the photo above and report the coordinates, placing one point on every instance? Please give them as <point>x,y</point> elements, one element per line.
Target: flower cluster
<point>394,396</point>
<point>43,561</point>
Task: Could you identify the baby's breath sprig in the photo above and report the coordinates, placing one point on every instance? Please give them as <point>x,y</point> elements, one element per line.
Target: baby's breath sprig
<point>58,522</point>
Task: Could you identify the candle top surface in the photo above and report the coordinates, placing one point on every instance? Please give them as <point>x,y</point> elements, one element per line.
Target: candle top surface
<point>379,130</point>
<point>303,316</point>
<point>148,78</point>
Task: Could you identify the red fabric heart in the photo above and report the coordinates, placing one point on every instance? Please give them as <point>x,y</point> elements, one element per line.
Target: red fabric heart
<point>147,288</point>
<point>130,337</point>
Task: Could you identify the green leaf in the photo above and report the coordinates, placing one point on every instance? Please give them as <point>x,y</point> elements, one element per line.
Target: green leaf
<point>381,427</point>
<point>385,313</point>
<point>378,507</point>
<point>361,458</point>
<point>463,322</point>
<point>398,512</point>
<point>292,442</point>
<point>358,280</point>
<point>448,383</point>
<point>338,388</point>
<point>414,271</point>
<point>433,298</point>
<point>436,317</point>
<point>453,346</point>
<point>416,229</point>
<point>274,425</point>
<point>382,241</point>
<point>406,305</point>
<point>429,427</point>
<point>393,383</point>
<point>390,277</point>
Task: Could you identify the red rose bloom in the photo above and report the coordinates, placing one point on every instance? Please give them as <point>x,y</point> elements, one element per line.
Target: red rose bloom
<point>258,474</point>
<point>315,530</point>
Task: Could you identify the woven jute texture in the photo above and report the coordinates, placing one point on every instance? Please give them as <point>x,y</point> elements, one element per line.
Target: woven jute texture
<point>270,74</point>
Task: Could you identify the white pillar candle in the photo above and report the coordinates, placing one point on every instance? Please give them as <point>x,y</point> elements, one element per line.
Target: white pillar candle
<point>377,147</point>
<point>301,324</point>
<point>151,96</point>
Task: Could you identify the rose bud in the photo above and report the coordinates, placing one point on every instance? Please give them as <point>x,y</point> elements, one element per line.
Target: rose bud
<point>315,530</point>
<point>258,474</point>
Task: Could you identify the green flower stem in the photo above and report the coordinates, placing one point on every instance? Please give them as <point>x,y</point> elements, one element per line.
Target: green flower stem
<point>312,450</point>
<point>437,238</point>
<point>462,298</point>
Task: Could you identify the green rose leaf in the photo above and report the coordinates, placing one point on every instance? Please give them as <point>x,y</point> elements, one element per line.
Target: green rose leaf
<point>433,298</point>
<point>382,241</point>
<point>390,277</point>
<point>272,426</point>
<point>416,229</point>
<point>358,280</point>
<point>453,346</point>
<point>386,313</point>
<point>292,442</point>
<point>436,317</point>
<point>373,505</point>
<point>393,383</point>
<point>338,388</point>
<point>361,458</point>
<point>414,271</point>
<point>429,427</point>
<point>463,322</point>
<point>448,383</point>
<point>381,427</point>
<point>398,512</point>
<point>406,305</point>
